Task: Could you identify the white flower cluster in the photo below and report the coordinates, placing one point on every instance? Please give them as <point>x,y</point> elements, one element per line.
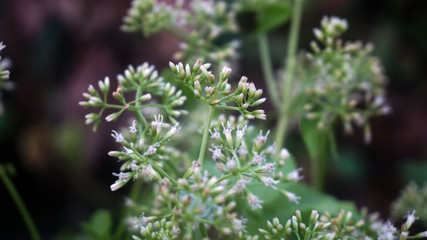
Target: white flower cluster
<point>145,81</point>
<point>348,83</point>
<point>233,158</point>
<point>342,226</point>
<point>217,92</point>
<point>142,152</point>
<point>197,25</point>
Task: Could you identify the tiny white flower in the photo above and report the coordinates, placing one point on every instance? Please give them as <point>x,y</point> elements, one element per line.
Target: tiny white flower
<point>258,159</point>
<point>268,168</point>
<point>292,197</point>
<point>158,122</point>
<point>152,149</point>
<point>134,165</point>
<point>270,182</point>
<point>387,231</point>
<point>422,234</point>
<point>239,186</point>
<point>260,139</point>
<point>176,231</point>
<point>227,132</point>
<point>294,175</point>
<point>231,164</point>
<point>284,154</point>
<point>241,132</point>
<point>239,224</point>
<point>242,151</point>
<point>123,178</point>
<point>254,201</point>
<point>118,136</point>
<point>216,152</point>
<point>132,128</point>
<point>215,134</point>
<point>148,171</point>
<point>410,219</point>
<point>173,130</point>
<point>271,149</point>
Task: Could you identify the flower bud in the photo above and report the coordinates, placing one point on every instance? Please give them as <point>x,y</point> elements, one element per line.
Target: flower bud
<point>172,67</point>
<point>197,65</point>
<point>145,97</point>
<point>225,73</point>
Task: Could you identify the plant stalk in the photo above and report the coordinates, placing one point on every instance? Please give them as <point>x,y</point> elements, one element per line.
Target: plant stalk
<point>203,231</point>
<point>134,193</point>
<point>205,137</point>
<point>289,75</point>
<point>19,204</point>
<point>267,69</point>
<point>141,119</point>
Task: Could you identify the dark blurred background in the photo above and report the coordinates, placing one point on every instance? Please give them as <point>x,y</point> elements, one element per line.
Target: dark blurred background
<point>59,47</point>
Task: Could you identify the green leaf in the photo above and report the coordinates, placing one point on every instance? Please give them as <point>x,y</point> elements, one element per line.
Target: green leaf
<point>99,225</point>
<point>277,205</point>
<point>273,15</point>
<point>320,144</point>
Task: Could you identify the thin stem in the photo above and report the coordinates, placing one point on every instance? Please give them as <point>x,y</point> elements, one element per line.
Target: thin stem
<point>203,230</point>
<point>163,173</point>
<point>267,69</point>
<point>19,204</point>
<point>318,171</point>
<point>134,192</point>
<point>206,134</point>
<point>141,119</point>
<point>227,107</point>
<point>224,177</point>
<point>289,74</point>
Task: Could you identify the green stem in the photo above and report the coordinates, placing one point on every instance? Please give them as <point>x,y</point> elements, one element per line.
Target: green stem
<point>267,69</point>
<point>224,177</point>
<point>205,137</point>
<point>289,75</point>
<point>19,204</point>
<point>318,171</point>
<point>134,192</point>
<point>141,119</point>
<point>227,107</point>
<point>203,230</point>
<point>163,173</point>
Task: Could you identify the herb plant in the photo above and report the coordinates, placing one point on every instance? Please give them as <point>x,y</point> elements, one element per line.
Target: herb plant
<point>215,192</point>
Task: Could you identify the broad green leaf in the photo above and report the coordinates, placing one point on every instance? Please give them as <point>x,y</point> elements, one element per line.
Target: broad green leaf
<point>273,15</point>
<point>320,145</point>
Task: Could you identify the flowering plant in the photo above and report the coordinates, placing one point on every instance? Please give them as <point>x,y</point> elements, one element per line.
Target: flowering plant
<point>219,194</point>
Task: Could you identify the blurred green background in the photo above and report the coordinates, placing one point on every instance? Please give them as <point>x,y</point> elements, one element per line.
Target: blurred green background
<point>59,47</point>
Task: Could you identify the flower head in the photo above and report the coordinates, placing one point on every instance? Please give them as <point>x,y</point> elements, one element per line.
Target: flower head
<point>118,136</point>
<point>215,134</point>
<point>216,152</point>
<point>294,175</point>
<point>270,182</point>
<point>132,128</point>
<point>254,201</point>
<point>258,159</point>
